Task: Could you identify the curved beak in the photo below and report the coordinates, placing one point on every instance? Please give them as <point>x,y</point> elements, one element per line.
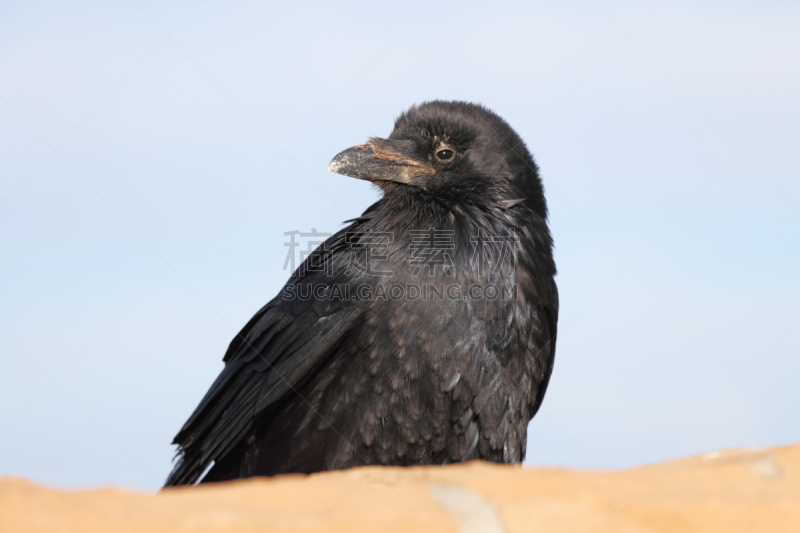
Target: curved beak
<point>381,160</point>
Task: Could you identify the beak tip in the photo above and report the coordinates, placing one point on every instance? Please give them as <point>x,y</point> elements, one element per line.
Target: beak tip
<point>340,163</point>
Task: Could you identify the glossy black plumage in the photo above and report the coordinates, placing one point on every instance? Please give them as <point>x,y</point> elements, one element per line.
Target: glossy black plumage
<point>335,378</point>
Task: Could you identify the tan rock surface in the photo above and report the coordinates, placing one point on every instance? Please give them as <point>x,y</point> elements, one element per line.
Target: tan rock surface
<point>730,491</point>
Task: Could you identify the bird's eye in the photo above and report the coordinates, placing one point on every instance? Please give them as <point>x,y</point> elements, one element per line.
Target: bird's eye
<point>445,155</point>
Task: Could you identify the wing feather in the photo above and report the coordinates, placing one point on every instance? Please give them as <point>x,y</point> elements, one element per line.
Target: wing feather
<point>272,355</point>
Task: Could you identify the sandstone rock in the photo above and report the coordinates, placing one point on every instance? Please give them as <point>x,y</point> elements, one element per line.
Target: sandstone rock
<point>729,491</point>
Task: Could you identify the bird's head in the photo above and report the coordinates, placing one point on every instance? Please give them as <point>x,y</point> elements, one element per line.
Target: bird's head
<point>454,152</point>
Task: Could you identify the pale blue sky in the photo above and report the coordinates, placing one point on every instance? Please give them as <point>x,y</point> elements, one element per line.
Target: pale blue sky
<point>667,137</point>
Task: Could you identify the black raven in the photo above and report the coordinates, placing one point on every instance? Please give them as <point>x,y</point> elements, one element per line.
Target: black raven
<point>422,333</point>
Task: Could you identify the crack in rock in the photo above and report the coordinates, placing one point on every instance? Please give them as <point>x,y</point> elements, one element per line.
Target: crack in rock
<point>475,514</point>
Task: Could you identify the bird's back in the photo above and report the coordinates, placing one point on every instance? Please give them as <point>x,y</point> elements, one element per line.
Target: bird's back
<point>444,363</point>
